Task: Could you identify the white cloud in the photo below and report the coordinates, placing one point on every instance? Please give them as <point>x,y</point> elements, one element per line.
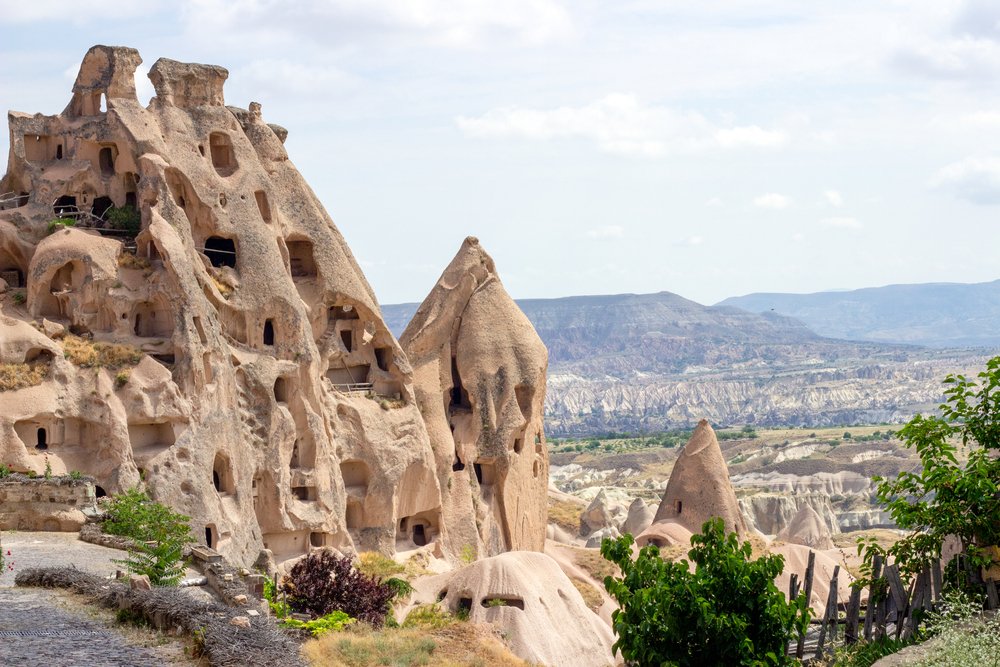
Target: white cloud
<point>982,118</point>
<point>752,136</point>
<point>842,223</point>
<point>772,200</point>
<point>976,179</point>
<point>619,123</point>
<point>451,23</point>
<point>834,198</point>
<point>70,11</point>
<point>692,241</point>
<point>798,237</point>
<point>714,202</point>
<point>607,232</point>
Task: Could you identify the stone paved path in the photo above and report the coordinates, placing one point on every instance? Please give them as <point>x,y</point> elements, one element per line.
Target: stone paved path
<point>35,629</point>
<point>49,628</point>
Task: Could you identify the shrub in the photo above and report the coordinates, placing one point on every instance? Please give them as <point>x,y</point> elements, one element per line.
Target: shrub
<point>125,218</point>
<point>323,582</point>
<point>951,494</point>
<point>429,616</point>
<point>20,297</point>
<point>317,627</point>
<point>4,470</point>
<point>75,474</point>
<point>962,638</point>
<point>376,565</point>
<point>727,612</point>
<point>60,223</point>
<point>19,376</point>
<point>48,468</point>
<point>88,354</point>
<point>158,536</point>
<point>121,378</point>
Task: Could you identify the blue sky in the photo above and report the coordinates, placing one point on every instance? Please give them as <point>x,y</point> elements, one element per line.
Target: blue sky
<point>709,149</point>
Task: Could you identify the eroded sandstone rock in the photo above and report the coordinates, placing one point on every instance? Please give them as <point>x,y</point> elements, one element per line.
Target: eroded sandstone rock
<point>271,403</point>
<point>479,377</point>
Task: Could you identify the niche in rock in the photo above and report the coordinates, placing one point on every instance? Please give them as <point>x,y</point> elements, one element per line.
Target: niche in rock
<point>149,439</point>
<point>41,438</point>
<point>37,147</point>
<point>355,514</point>
<point>345,312</point>
<point>524,394</point>
<point>223,156</point>
<point>347,338</point>
<point>304,493</point>
<point>301,262</point>
<point>222,475</point>
<point>356,475</point>
<point>263,205</point>
<point>459,396</point>
<point>106,160</point>
<point>496,601</point>
<point>220,251</point>
<point>152,320</point>
<point>210,536</point>
<point>383,355</point>
<point>269,332</point>
<point>485,473</point>
<point>281,390</point>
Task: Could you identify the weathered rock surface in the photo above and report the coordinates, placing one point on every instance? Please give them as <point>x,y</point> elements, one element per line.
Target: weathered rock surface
<point>271,402</point>
<point>699,487</point>
<point>479,379</point>
<point>770,513</point>
<point>639,518</point>
<point>543,616</point>
<point>808,529</point>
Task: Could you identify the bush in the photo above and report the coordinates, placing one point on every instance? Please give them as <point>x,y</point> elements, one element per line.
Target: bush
<point>126,218</point>
<point>88,354</point>
<point>323,583</point>
<point>962,637</point>
<point>20,297</point>
<point>727,612</point>
<point>158,536</point>
<point>60,223</point>
<point>955,492</point>
<point>317,627</point>
<point>19,376</point>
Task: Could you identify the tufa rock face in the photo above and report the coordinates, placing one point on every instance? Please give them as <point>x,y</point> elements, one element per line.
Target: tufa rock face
<point>479,377</point>
<point>808,529</point>
<point>699,487</point>
<point>270,402</point>
<point>542,614</point>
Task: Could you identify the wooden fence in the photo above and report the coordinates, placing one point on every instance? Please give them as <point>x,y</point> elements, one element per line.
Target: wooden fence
<point>894,610</point>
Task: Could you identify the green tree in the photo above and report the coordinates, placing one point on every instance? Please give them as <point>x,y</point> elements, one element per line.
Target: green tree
<point>956,491</point>
<point>727,612</point>
<point>158,536</point>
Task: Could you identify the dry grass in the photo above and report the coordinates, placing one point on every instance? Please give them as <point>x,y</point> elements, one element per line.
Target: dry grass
<point>19,376</point>
<point>456,644</point>
<point>885,538</point>
<point>129,261</point>
<point>88,354</point>
<point>376,565</point>
<point>591,596</point>
<point>225,289</point>
<point>595,565</point>
<point>565,514</point>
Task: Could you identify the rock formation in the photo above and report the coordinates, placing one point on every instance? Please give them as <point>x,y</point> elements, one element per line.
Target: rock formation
<point>640,516</point>
<point>542,615</point>
<point>807,528</point>
<point>770,513</point>
<point>699,487</point>
<point>260,391</point>
<point>479,379</point>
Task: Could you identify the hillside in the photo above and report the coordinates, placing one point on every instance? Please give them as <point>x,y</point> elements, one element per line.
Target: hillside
<point>654,361</point>
<point>932,314</point>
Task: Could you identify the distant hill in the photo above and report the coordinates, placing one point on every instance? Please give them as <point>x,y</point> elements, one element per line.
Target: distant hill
<point>933,314</point>
<point>644,362</point>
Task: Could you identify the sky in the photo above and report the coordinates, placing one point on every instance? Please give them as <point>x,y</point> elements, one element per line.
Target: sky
<point>709,149</point>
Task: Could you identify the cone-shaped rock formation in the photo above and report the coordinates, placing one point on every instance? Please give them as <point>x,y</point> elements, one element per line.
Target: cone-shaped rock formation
<point>479,376</point>
<point>699,487</point>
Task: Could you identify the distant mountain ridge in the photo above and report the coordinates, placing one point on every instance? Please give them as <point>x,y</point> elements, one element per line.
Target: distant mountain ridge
<point>941,315</point>
<point>642,362</point>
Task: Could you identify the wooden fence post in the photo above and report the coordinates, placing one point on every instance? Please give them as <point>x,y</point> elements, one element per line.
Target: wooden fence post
<point>853,612</point>
<point>830,615</point>
<point>810,567</point>
<point>871,609</point>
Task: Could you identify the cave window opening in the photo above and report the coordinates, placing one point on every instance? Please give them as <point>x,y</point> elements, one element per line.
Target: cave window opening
<point>130,199</point>
<point>65,205</point>
<point>101,206</point>
<point>457,466</point>
<point>210,536</point>
<point>269,332</point>
<point>294,461</point>
<point>382,356</point>
<point>459,396</point>
<point>106,160</point>
<point>222,474</point>
<point>478,467</point>
<point>42,439</point>
<point>59,152</point>
<point>678,506</point>
<point>317,539</point>
<point>304,493</point>
<point>216,482</point>
<point>534,469</point>
<point>221,251</point>
<point>347,337</point>
<point>518,445</point>
<point>419,536</point>
<point>345,312</point>
<point>465,603</point>
<point>201,149</point>
<point>138,324</point>
<point>301,262</point>
<point>102,103</point>
<point>13,277</point>
<point>402,524</point>
<point>99,492</point>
